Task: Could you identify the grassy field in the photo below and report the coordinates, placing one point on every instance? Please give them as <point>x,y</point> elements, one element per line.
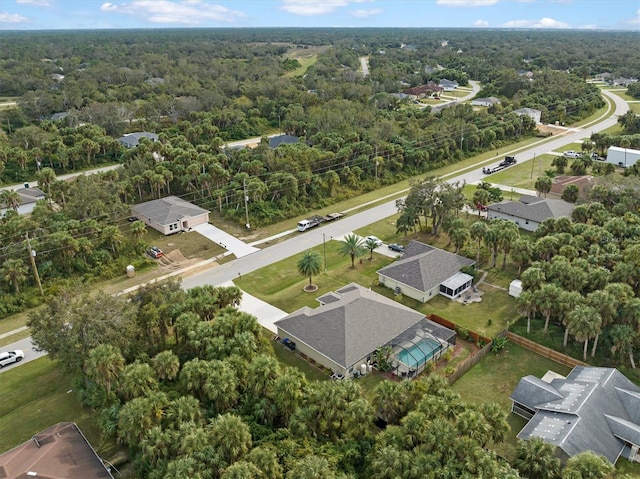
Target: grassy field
<point>38,395</point>
<point>523,175</point>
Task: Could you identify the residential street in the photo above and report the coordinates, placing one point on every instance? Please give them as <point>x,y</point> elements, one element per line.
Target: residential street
<point>299,242</point>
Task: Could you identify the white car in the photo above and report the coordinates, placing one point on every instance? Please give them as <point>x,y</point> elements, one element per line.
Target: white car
<point>10,357</point>
<point>571,154</point>
<point>375,239</point>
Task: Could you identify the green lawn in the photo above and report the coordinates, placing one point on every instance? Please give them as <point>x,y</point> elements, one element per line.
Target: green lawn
<point>495,377</point>
<point>292,359</point>
<point>38,395</point>
<point>523,175</point>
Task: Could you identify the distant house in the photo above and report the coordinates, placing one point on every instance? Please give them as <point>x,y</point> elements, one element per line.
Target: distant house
<point>131,140</point>
<point>524,73</point>
<point>57,77</point>
<point>592,409</point>
<point>28,199</point>
<point>60,451</point>
<point>344,332</point>
<point>448,85</point>
<point>530,211</point>
<point>59,116</point>
<point>170,215</point>
<point>605,76</point>
<point>424,272</point>
<point>534,114</point>
<point>624,82</point>
<point>276,141</point>
<point>489,101</point>
<point>423,91</point>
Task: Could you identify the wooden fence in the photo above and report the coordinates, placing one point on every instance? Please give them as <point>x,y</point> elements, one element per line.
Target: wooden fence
<point>544,351</point>
<point>468,363</point>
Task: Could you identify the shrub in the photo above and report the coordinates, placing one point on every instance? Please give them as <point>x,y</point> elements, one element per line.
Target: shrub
<point>498,344</point>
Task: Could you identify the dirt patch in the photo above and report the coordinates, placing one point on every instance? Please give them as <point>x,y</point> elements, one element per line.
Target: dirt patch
<point>546,129</point>
<point>174,260</point>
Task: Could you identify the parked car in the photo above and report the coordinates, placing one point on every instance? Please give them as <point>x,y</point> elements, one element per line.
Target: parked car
<point>131,219</point>
<point>11,357</point>
<point>375,239</point>
<point>155,252</point>
<point>571,154</point>
<point>396,247</point>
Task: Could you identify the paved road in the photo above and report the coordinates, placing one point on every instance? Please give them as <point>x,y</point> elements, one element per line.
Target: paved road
<point>29,353</point>
<point>302,241</point>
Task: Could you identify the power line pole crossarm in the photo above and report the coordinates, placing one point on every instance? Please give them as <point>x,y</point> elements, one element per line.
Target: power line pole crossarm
<point>34,266</point>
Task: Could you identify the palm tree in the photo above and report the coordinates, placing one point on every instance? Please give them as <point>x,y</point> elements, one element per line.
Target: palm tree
<point>587,465</point>
<point>310,264</point>
<point>480,198</point>
<point>389,401</point>
<point>112,237</point>
<point>104,365</point>
<point>166,365</point>
<point>545,300</point>
<point>138,230</point>
<point>507,235</point>
<point>231,437</point>
<point>46,177</point>
<point>242,470</point>
<point>623,339</point>
<point>477,232</point>
<point>459,238</point>
<point>370,244</point>
<point>185,409</point>
<point>521,252</point>
<point>10,199</point>
<point>266,459</point>
<point>526,307</point>
<point>543,185</point>
<point>388,462</point>
<point>535,459</point>
<point>352,245</point>
<point>584,323</point>
<point>137,379</point>
<point>497,420</point>
<point>492,240</point>
<point>14,272</point>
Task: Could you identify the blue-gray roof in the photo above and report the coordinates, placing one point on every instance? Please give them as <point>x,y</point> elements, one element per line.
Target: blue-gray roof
<point>592,409</point>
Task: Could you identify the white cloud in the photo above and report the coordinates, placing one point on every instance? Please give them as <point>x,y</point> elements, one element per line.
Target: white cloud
<point>37,3</point>
<point>6,17</point>
<point>542,23</point>
<point>636,19</point>
<point>184,12</point>
<point>366,13</point>
<point>315,7</point>
<point>466,3</point>
<point>480,23</point>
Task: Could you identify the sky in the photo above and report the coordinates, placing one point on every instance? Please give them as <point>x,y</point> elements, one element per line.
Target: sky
<point>97,14</point>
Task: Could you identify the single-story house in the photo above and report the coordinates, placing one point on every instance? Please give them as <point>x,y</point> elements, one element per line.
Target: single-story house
<point>276,141</point>
<point>170,215</point>
<point>592,409</point>
<point>624,157</point>
<point>489,101</point>
<point>562,181</point>
<point>530,211</point>
<point>534,114</point>
<point>448,85</point>
<point>353,322</point>
<point>28,198</point>
<point>425,271</point>
<point>423,91</point>
<point>622,81</point>
<point>131,140</point>
<point>524,73</point>
<point>60,451</point>
<point>59,116</point>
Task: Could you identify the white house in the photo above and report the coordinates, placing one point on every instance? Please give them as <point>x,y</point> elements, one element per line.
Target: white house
<point>170,215</point>
<point>530,112</point>
<point>490,101</point>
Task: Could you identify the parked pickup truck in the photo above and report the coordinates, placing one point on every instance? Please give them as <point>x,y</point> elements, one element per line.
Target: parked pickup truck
<point>316,220</point>
<point>508,161</point>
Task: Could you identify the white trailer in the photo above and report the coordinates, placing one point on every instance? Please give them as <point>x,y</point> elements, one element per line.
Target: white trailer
<point>624,157</point>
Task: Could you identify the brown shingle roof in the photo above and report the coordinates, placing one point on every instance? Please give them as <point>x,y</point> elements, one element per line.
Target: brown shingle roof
<point>60,452</point>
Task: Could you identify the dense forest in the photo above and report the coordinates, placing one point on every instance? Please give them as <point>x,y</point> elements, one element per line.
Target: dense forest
<point>199,88</point>
<point>190,385</point>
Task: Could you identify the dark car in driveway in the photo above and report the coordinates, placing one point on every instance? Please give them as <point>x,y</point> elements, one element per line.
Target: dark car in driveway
<point>396,247</point>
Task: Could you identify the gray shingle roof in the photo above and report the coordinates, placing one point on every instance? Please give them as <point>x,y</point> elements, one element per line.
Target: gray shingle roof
<point>424,267</point>
<point>348,330</point>
<point>167,210</point>
<point>537,211</point>
<point>132,139</point>
<point>597,407</point>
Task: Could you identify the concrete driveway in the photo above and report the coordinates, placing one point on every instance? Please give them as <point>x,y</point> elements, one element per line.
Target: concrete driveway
<point>224,239</point>
<point>266,314</point>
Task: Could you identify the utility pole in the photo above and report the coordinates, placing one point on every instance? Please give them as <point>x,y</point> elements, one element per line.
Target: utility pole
<point>246,204</point>
<point>34,266</point>
<point>533,162</point>
<point>461,136</point>
<point>324,246</point>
